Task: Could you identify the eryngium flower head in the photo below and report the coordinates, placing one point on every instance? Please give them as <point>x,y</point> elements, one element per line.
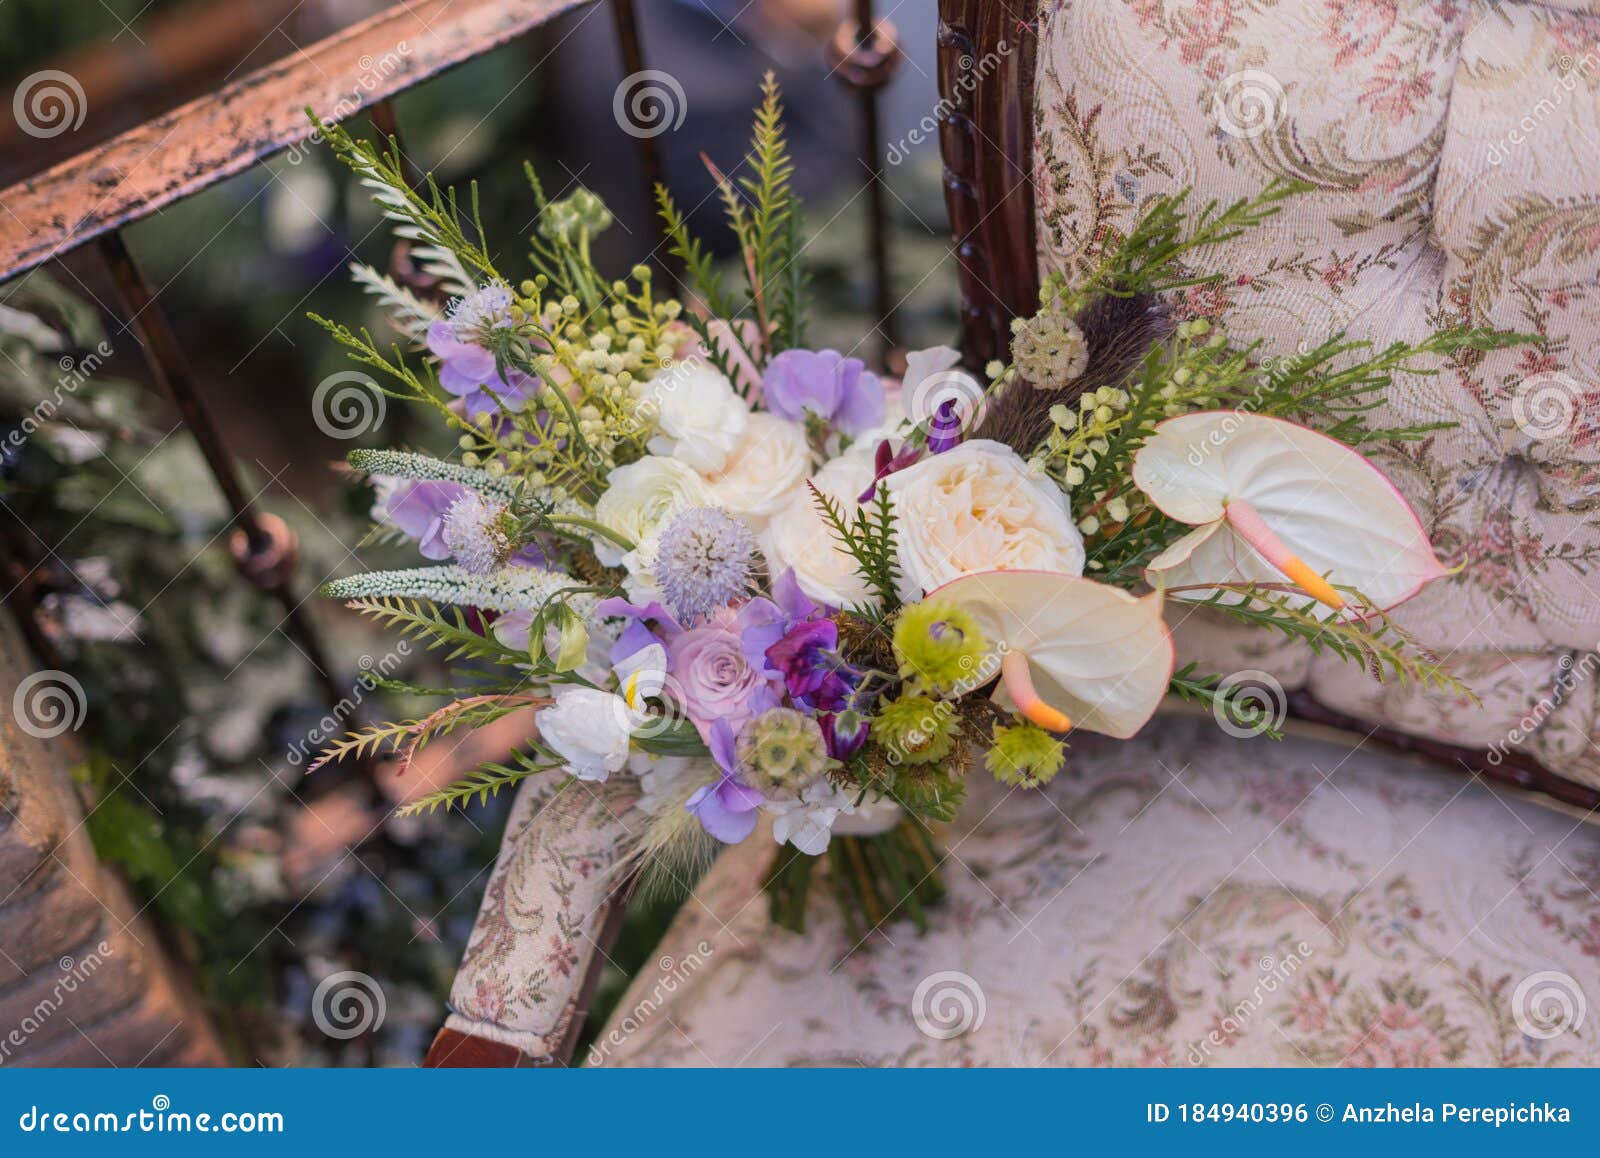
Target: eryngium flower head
<point>705,560</point>
<point>781,752</point>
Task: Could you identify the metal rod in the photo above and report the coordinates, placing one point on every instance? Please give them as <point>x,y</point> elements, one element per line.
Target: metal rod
<point>169,366</point>
<point>651,170</point>
<point>871,153</point>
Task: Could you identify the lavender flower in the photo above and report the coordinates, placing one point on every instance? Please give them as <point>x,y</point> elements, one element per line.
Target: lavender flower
<point>838,390</point>
<point>463,343</point>
<point>705,560</point>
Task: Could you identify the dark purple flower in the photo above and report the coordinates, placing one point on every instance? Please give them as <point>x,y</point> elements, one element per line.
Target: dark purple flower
<point>807,658</point>
<point>844,732</point>
<point>839,390</point>
<point>944,428</point>
<point>885,462</point>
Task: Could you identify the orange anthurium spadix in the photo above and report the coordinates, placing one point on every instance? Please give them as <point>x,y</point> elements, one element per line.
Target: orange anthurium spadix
<point>1273,500</point>
<point>1072,653</point>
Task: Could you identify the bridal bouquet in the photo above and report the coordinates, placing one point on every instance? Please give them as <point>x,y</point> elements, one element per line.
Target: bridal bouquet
<point>797,597</point>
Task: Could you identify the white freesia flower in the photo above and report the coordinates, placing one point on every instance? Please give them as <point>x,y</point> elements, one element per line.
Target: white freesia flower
<point>764,471</point>
<point>979,508</point>
<point>799,537</point>
<point>589,729</point>
<point>699,416</point>
<point>640,498</point>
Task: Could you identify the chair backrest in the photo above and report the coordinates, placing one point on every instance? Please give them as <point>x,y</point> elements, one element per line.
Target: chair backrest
<point>1455,180</point>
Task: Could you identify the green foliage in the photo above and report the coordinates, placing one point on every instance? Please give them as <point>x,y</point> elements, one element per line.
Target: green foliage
<point>437,628</point>
<point>868,534</point>
<point>1230,703</point>
<point>481,784</point>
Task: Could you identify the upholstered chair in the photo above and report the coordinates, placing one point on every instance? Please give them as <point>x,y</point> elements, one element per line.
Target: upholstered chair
<point>1407,879</point>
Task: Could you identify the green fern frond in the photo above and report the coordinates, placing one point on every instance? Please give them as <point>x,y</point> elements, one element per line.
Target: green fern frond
<point>436,627</point>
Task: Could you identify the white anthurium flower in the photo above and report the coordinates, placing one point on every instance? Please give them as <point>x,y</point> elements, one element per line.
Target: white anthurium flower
<point>700,417</point>
<point>589,729</point>
<point>1102,657</point>
<point>1271,500</point>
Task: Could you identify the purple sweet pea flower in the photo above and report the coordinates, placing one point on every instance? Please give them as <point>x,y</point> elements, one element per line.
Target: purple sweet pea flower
<point>726,809</point>
<point>417,509</point>
<point>839,390</point>
<point>466,365</point>
<point>813,673</point>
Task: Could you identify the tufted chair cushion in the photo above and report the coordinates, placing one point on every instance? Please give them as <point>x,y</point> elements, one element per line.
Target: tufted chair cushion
<point>1455,169</point>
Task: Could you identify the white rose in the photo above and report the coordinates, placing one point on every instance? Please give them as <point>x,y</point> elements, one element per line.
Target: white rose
<point>589,729</point>
<point>699,416</point>
<point>979,508</point>
<point>799,537</point>
<point>764,472</point>
<point>640,497</point>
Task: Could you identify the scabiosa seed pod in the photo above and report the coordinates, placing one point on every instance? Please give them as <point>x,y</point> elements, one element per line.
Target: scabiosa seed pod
<point>781,752</point>
<point>1049,350</point>
<point>478,533</point>
<point>705,560</point>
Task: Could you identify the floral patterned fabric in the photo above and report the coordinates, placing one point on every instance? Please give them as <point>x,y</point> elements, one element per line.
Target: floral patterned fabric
<point>1452,158</point>
<point>551,890</point>
<point>1182,898</point>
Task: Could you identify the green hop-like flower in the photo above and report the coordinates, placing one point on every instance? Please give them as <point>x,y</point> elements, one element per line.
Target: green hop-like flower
<point>916,729</point>
<point>1025,754</point>
<point>938,645</point>
<point>781,751</point>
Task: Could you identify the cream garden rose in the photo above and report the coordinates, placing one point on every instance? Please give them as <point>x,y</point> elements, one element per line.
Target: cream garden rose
<point>979,508</point>
<point>642,496</point>
<point>764,472</point>
<point>699,416</point>
<point>798,537</point>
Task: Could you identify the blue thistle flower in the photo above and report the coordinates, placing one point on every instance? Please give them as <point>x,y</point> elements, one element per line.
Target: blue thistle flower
<point>705,560</point>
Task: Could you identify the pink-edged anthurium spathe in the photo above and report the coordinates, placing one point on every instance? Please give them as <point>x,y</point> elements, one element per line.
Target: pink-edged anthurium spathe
<point>1072,653</point>
<point>1272,500</point>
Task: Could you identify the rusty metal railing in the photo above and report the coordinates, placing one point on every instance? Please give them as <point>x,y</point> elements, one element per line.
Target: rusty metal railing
<point>90,197</point>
